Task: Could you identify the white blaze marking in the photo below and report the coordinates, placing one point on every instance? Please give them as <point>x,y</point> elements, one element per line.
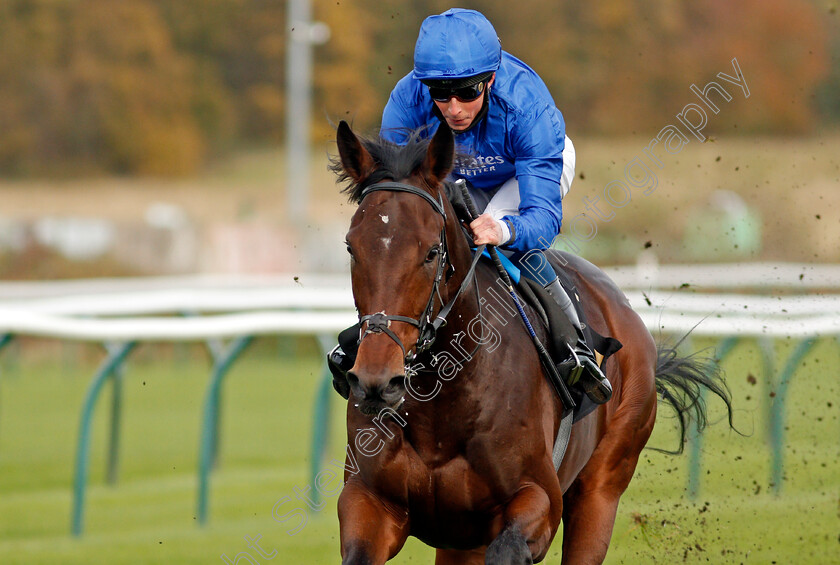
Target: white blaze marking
<point>386,241</point>
<point>384,218</point>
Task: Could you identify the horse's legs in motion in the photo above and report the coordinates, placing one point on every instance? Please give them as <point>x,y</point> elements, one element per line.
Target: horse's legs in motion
<point>590,504</point>
<point>509,548</point>
<point>527,532</point>
<point>454,557</point>
<point>370,533</point>
<point>587,525</point>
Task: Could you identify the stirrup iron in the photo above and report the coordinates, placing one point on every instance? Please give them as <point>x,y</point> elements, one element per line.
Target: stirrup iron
<point>594,384</point>
<point>577,368</point>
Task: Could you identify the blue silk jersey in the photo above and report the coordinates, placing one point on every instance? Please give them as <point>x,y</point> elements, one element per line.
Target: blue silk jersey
<point>522,135</point>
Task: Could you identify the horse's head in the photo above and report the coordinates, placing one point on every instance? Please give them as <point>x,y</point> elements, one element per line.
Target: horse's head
<point>398,248</point>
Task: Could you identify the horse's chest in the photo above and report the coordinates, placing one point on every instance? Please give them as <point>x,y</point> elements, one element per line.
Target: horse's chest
<point>452,501</point>
<point>459,475</point>
<point>455,481</point>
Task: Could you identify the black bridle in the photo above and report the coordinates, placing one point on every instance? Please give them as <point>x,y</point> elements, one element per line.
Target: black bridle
<point>426,324</point>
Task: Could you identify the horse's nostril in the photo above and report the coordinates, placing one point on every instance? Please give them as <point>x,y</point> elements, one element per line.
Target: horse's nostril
<point>395,389</point>
<point>352,378</point>
<point>397,383</point>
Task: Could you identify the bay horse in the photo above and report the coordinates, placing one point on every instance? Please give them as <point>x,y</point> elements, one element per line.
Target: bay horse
<point>450,435</point>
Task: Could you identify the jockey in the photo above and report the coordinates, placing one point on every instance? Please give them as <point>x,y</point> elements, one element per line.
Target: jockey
<point>514,153</point>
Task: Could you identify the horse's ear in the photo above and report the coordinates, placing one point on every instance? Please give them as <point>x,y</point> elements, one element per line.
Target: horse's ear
<point>440,156</point>
<point>355,159</point>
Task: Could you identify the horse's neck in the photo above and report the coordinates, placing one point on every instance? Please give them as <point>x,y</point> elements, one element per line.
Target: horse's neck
<point>476,372</point>
<point>454,346</point>
<point>461,257</point>
<point>471,336</point>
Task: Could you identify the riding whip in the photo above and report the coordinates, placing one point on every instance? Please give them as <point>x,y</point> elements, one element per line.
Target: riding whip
<point>545,358</point>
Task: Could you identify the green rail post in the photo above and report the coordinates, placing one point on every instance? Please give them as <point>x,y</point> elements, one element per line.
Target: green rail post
<point>114,360</point>
<point>768,355</point>
<point>209,429</point>
<point>777,412</point>
<point>116,421</point>
<point>321,427</point>
<point>5,339</point>
<point>695,437</point>
<point>217,350</point>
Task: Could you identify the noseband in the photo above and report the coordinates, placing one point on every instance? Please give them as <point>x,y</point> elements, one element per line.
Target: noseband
<point>381,322</point>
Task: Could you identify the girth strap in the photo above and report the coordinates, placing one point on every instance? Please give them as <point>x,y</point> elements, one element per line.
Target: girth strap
<point>561,442</point>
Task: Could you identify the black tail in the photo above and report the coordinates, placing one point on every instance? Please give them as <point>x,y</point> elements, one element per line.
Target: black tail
<point>681,380</point>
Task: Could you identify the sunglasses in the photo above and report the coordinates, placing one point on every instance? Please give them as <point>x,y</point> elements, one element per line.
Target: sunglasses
<point>465,94</point>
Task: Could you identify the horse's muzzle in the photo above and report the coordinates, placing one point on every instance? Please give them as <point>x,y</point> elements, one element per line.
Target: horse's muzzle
<point>372,398</point>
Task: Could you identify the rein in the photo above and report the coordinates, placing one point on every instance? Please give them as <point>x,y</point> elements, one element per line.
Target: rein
<point>381,322</point>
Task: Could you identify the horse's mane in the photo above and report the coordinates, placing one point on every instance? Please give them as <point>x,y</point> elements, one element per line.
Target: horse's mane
<point>392,160</point>
<point>395,161</point>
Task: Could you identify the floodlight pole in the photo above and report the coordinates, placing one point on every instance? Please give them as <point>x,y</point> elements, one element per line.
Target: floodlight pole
<point>303,34</point>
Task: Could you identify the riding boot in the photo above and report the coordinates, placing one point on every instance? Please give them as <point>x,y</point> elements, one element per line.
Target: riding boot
<point>583,366</point>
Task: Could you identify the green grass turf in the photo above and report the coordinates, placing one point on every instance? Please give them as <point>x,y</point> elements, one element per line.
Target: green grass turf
<point>149,517</point>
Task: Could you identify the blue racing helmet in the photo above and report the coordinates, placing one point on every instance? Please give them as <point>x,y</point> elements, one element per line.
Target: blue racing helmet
<point>458,47</point>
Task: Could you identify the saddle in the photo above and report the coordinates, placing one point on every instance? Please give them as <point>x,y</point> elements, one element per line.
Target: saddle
<point>562,333</point>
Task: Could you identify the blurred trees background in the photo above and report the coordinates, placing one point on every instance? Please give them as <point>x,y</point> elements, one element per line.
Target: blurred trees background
<point>157,87</point>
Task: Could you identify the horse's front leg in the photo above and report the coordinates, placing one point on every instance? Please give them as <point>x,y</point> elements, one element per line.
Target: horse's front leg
<point>530,521</point>
<point>371,532</point>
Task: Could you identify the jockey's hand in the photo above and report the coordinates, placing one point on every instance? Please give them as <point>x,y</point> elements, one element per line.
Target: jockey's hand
<point>487,229</point>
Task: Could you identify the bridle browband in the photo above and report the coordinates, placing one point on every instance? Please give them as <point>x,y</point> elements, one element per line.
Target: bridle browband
<point>401,187</point>
<point>428,327</point>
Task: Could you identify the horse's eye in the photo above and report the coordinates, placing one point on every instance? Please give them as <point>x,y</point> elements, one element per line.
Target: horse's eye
<point>433,252</point>
<point>349,250</point>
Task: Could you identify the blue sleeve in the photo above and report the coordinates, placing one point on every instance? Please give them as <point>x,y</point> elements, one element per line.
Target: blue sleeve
<point>398,118</point>
<point>538,143</point>
<point>540,214</point>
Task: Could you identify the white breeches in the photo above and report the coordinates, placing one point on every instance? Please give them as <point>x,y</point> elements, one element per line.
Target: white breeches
<point>505,200</point>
